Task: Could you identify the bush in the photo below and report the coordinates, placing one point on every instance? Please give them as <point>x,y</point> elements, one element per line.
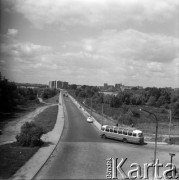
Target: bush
<point>135,113</point>
<point>30,135</point>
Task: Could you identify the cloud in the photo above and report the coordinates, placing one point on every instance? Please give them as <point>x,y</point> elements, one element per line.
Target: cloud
<point>23,55</point>
<point>92,12</point>
<point>126,56</point>
<point>135,45</point>
<point>130,57</point>
<point>12,32</point>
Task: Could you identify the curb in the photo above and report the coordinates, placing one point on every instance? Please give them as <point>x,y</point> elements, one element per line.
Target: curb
<point>33,166</point>
<point>158,143</point>
<point>85,113</point>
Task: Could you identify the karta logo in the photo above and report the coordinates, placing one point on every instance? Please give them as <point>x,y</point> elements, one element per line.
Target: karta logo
<point>115,170</point>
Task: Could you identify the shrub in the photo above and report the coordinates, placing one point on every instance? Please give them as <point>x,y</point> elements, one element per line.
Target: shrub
<point>30,135</point>
<point>135,113</point>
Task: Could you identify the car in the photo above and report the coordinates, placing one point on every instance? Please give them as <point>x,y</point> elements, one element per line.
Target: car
<point>89,119</point>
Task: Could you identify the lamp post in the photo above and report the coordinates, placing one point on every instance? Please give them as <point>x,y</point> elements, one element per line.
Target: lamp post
<point>91,106</point>
<point>170,123</point>
<point>102,116</point>
<point>156,132</point>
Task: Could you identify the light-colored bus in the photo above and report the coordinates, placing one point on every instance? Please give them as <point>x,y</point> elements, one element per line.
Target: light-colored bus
<point>124,134</point>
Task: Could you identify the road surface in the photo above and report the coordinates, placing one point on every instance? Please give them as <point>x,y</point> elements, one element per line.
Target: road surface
<point>81,153</point>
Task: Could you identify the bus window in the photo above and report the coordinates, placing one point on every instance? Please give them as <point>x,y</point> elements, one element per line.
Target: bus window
<point>129,133</point>
<point>115,130</point>
<point>102,128</point>
<point>140,135</point>
<point>124,132</point>
<point>134,134</point>
<point>107,129</point>
<point>111,130</point>
<point>119,131</point>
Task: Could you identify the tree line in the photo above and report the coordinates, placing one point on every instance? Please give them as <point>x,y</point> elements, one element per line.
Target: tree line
<point>12,95</point>
<point>151,96</point>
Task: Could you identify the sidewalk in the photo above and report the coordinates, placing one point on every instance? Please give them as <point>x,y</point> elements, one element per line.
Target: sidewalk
<point>31,168</point>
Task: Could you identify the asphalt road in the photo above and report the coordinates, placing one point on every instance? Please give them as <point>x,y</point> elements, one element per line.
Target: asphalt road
<point>82,153</point>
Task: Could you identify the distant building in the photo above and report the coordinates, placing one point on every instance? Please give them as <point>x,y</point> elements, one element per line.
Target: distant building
<point>105,86</point>
<point>59,84</point>
<point>64,85</point>
<point>121,87</point>
<point>52,84</point>
<point>118,86</point>
<point>110,88</point>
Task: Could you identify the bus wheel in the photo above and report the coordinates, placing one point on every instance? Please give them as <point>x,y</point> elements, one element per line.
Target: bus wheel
<point>103,136</point>
<point>125,140</point>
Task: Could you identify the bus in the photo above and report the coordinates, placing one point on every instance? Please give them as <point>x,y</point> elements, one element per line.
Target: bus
<point>124,134</point>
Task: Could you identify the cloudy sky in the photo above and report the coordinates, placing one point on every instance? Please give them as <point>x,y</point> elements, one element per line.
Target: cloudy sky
<point>134,42</point>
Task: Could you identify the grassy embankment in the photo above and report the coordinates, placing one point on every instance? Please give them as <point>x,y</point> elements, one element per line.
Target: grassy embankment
<point>52,100</point>
<point>12,156</point>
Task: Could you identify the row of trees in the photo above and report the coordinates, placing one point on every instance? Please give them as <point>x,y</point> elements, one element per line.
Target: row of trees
<point>48,93</point>
<point>156,97</point>
<point>11,96</point>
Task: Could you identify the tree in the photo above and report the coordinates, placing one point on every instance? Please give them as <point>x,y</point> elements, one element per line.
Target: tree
<point>151,101</point>
<point>161,101</point>
<point>116,102</point>
<point>30,135</point>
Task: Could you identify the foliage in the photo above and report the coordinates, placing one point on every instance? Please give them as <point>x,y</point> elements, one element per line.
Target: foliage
<point>48,93</point>
<point>157,97</point>
<point>8,95</point>
<point>11,96</point>
<point>30,135</point>
<point>124,107</point>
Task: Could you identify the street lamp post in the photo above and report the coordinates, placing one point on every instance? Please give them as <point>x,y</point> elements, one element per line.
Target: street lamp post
<point>170,123</point>
<point>156,133</point>
<point>91,106</point>
<point>102,116</point>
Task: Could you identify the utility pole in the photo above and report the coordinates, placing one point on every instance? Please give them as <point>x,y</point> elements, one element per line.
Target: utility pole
<point>91,107</point>
<point>102,115</point>
<point>170,117</point>
<point>156,133</point>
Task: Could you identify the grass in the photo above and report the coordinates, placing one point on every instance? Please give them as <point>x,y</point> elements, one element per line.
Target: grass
<point>52,100</point>
<point>12,157</point>
<point>47,118</point>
